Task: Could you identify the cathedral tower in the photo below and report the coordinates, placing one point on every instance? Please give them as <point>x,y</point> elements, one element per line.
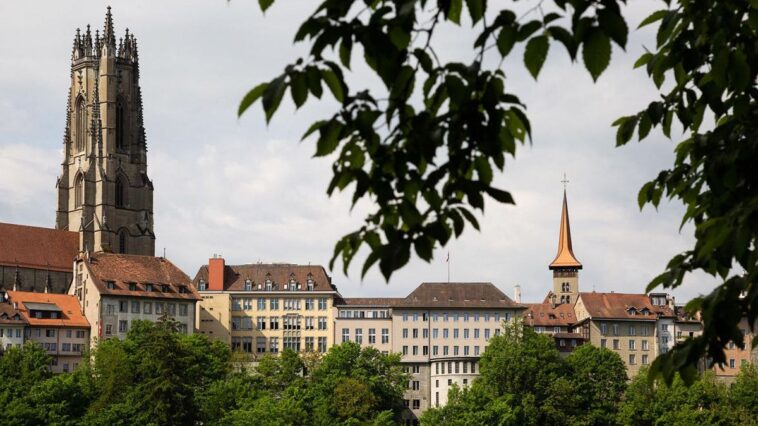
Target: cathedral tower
<point>565,267</point>
<point>104,192</point>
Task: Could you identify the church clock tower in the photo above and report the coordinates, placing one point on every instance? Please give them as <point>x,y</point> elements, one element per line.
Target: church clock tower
<point>104,191</point>
<point>565,266</point>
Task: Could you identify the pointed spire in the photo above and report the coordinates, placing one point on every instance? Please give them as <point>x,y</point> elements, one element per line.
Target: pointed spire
<point>109,35</point>
<point>565,258</point>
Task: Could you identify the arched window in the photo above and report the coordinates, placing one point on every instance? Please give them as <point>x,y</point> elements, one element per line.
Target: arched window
<point>78,191</point>
<point>120,142</point>
<point>81,124</point>
<point>122,236</point>
<point>120,192</point>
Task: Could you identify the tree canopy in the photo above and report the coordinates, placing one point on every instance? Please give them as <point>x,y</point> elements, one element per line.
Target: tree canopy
<point>426,146</point>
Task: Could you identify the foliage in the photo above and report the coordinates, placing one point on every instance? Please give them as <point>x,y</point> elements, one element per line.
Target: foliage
<point>598,379</point>
<point>425,146</point>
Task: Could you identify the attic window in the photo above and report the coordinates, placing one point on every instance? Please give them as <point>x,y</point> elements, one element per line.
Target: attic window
<point>149,287</point>
<point>132,286</point>
<point>183,289</point>
<point>248,285</point>
<point>200,285</point>
<point>110,285</point>
<point>164,288</point>
<point>434,298</point>
<point>269,285</point>
<point>310,284</point>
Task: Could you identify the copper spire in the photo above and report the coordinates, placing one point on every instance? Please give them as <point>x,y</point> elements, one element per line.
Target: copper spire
<point>565,258</point>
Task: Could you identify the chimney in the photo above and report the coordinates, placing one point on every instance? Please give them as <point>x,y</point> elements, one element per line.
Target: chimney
<point>216,273</point>
<point>517,293</point>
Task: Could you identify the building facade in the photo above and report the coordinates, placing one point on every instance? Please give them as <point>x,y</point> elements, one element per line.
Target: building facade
<point>56,324</point>
<point>113,290</point>
<point>12,325</point>
<point>262,309</point>
<point>104,192</point>
<point>440,329</point>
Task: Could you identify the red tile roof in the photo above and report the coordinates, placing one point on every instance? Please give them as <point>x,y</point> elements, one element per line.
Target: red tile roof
<point>279,274</point>
<point>37,248</point>
<point>123,269</point>
<point>8,315</point>
<point>544,315</point>
<point>458,295</point>
<point>622,306</point>
<point>67,304</point>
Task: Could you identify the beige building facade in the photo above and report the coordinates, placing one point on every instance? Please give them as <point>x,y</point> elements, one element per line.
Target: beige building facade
<point>114,290</point>
<point>262,309</point>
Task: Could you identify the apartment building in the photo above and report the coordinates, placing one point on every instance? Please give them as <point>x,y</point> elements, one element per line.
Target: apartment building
<point>736,357</point>
<point>114,290</point>
<point>440,329</point>
<point>557,321</point>
<point>260,309</point>
<point>12,325</point>
<point>56,323</point>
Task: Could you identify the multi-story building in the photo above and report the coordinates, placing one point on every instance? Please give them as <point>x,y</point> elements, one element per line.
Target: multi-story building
<point>440,329</point>
<point>736,357</point>
<point>12,325</point>
<point>558,321</point>
<point>624,323</point>
<point>55,323</point>
<point>116,289</point>
<point>265,308</point>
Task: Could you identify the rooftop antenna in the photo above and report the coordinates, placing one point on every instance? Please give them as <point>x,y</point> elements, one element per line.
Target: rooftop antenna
<point>164,252</point>
<point>447,260</point>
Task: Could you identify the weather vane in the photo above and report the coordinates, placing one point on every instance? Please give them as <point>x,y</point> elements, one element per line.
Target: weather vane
<point>565,181</point>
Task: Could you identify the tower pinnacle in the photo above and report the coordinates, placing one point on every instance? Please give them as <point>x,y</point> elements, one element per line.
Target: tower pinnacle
<point>565,258</point>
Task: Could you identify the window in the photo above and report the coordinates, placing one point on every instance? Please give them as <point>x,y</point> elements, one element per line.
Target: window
<point>309,343</point>
<point>643,331</point>
<point>81,124</point>
<point>322,323</point>
<point>183,310</point>
<point>415,349</point>
<point>135,307</point>
<point>201,285</point>
<point>445,333</point>
<point>486,334</point>
<point>172,309</point>
<point>322,344</point>
<point>123,306</point>
<point>79,191</point>
<point>385,335</point>
<point>615,344</point>
<point>261,304</point>
<point>273,345</point>
<point>274,323</point>
<point>273,304</point>
<point>261,324</point>
<point>603,328</point>
<point>632,359</point>
<point>110,285</point>
<point>248,285</point>
<point>322,304</point>
<point>405,349</point>
<point>309,325</point>
<point>664,327</point>
<point>644,345</point>
<point>476,333</point>
<point>416,404</point>
<point>405,333</point>
<point>644,359</point>
<point>66,347</point>
<point>455,350</point>
<point>435,333</point>
<point>632,345</point>
<point>120,124</point>
<point>435,351</point>
<point>465,351</point>
<point>415,316</point>
<point>309,303</point>
<point>147,307</point>
<point>615,329</point>
<point>80,334</point>
<point>415,385</point>
<point>260,345</point>
<point>120,192</point>
<point>465,333</point>
<point>108,329</point>
<point>122,236</point>
<point>604,343</point>
<point>415,333</point>
<point>476,351</point>
<point>632,330</point>
<point>371,336</point>
<point>359,335</point>
<point>345,335</point>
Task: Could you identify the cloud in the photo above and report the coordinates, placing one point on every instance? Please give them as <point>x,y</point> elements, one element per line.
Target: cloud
<point>252,192</point>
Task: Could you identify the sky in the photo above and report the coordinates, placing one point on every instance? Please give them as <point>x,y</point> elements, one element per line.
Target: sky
<point>252,192</point>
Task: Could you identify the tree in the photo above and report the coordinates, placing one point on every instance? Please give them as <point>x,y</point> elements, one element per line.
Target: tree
<point>425,147</point>
<point>744,394</point>
<point>598,379</point>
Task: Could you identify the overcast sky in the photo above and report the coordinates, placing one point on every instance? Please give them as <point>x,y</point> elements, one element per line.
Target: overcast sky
<point>253,193</point>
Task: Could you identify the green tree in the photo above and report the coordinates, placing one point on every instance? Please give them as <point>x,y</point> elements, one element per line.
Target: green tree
<point>425,146</point>
<point>744,394</point>
<point>598,380</point>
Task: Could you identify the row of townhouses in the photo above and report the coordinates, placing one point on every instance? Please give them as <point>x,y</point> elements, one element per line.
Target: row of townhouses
<point>96,273</point>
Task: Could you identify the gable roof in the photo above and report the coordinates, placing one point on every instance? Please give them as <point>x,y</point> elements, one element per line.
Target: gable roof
<point>123,269</point>
<point>10,316</point>
<point>458,295</point>
<point>68,305</point>
<point>279,274</point>
<point>37,248</point>
<point>622,306</point>
<point>545,315</point>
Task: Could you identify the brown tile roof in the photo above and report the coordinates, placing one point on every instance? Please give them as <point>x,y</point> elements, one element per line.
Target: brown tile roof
<point>123,269</point>
<point>37,248</point>
<point>279,274</point>
<point>458,295</point>
<point>8,315</point>
<point>544,315</point>
<point>67,304</point>
<point>619,306</point>
<point>368,301</point>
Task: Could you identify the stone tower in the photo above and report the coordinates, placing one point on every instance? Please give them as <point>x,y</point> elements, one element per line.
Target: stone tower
<point>104,191</point>
<point>565,266</point>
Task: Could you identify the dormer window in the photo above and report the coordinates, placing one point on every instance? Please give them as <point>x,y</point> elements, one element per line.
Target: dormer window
<point>269,285</point>
<point>110,285</point>
<point>248,285</point>
<point>183,289</point>
<point>132,286</point>
<point>293,283</point>
<point>164,288</point>
<point>148,287</point>
<point>310,284</point>
<point>201,285</point>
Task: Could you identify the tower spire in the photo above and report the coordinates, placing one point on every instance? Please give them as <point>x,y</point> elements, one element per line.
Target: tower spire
<point>109,36</point>
<point>565,258</point>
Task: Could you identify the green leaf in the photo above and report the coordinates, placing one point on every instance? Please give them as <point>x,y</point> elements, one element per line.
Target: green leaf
<point>655,16</point>
<point>614,26</point>
<point>626,129</point>
<point>506,39</point>
<point>535,54</point>
<point>334,84</point>
<point>313,77</point>
<point>346,48</point>
<point>454,12</point>
<point>564,36</point>
<point>272,96</point>
<point>251,97</point>
<point>500,195</point>
<point>400,37</point>
<point>329,139</point>
<point>596,52</point>
<point>644,127</point>
<point>298,88</point>
<point>470,217</point>
<point>476,9</point>
<point>265,4</point>
<point>643,59</point>
<point>739,71</point>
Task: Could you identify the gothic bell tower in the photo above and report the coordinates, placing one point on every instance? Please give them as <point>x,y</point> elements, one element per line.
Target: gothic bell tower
<point>104,191</point>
